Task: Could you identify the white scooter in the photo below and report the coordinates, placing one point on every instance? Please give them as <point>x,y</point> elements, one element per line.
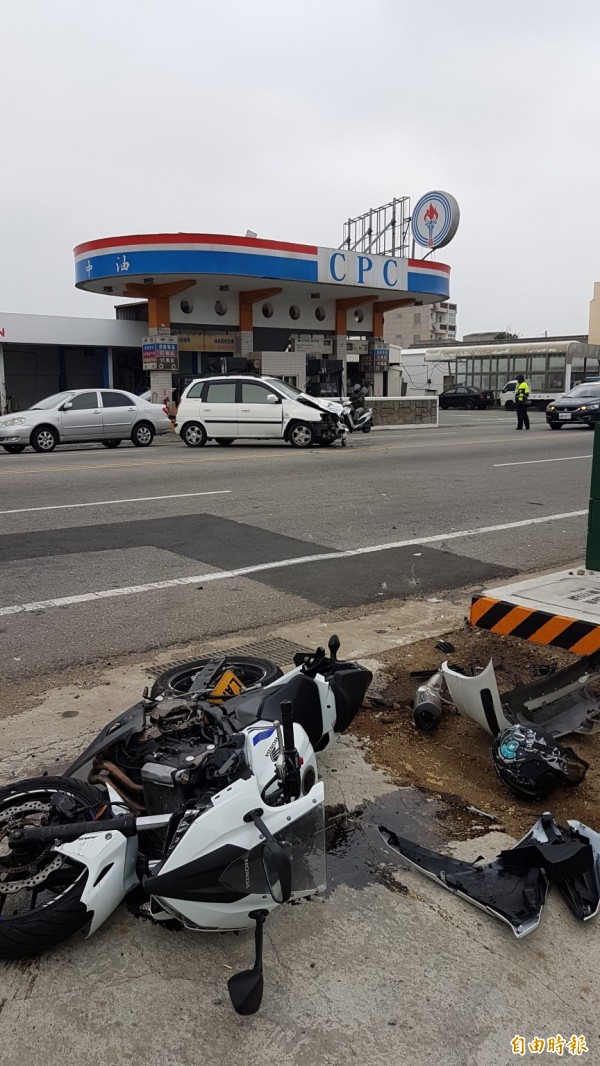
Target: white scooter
<point>357,419</point>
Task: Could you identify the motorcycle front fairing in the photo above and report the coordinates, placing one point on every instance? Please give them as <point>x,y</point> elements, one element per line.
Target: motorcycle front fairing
<point>213,878</point>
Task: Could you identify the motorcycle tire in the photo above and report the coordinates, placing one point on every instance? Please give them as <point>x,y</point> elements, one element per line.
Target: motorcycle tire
<point>53,919</point>
<point>177,680</point>
<point>366,429</point>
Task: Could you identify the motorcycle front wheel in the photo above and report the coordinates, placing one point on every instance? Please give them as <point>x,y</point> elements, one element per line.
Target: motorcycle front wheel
<point>177,680</point>
<point>40,889</point>
<point>366,429</point>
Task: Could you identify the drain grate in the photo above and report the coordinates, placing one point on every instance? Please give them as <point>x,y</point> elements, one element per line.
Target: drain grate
<point>279,651</point>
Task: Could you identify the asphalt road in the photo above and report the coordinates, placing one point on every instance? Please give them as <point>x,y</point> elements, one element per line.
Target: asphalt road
<point>104,553</point>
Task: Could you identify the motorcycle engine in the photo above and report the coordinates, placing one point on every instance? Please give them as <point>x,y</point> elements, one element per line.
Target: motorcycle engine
<point>185,769</point>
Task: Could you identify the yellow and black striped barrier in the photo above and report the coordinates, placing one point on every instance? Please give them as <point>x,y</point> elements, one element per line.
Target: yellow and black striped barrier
<point>538,627</point>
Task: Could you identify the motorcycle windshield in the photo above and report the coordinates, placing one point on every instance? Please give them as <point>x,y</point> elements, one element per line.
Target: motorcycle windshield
<point>304,841</point>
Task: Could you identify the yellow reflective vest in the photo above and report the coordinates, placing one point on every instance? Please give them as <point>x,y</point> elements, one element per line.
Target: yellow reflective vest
<point>522,392</point>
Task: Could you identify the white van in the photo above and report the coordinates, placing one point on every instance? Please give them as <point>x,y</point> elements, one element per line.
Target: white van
<point>226,409</point>
<point>538,400</point>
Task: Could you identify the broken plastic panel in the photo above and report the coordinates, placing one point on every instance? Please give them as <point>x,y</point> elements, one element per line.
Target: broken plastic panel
<point>513,897</point>
<point>566,701</point>
<point>513,888</point>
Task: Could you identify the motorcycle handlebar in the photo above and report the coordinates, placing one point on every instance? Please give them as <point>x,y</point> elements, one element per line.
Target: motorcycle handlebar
<point>47,834</point>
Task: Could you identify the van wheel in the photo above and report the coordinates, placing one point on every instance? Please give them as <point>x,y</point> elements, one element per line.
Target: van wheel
<point>193,434</point>
<point>509,405</point>
<point>224,440</point>
<point>301,435</point>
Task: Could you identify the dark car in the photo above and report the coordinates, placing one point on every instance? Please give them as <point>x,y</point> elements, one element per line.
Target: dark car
<point>465,396</point>
<point>579,407</point>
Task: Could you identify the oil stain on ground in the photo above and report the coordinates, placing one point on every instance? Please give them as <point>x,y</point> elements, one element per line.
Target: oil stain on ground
<point>356,853</point>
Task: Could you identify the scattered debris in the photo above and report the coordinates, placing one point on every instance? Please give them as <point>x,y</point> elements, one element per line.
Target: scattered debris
<point>484,814</point>
<point>455,761</point>
<point>445,646</point>
<point>562,702</point>
<point>515,885</point>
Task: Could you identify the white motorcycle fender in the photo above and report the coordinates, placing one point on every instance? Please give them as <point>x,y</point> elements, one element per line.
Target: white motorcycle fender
<point>110,860</point>
<point>478,697</point>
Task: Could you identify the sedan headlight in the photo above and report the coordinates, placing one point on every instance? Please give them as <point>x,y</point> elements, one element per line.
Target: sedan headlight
<point>592,407</point>
<point>12,422</point>
<point>550,407</point>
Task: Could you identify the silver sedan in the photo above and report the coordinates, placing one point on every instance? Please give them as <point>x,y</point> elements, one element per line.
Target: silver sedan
<point>81,416</point>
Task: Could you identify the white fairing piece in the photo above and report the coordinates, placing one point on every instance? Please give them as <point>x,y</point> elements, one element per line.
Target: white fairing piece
<point>110,859</point>
<point>223,826</point>
<point>470,694</point>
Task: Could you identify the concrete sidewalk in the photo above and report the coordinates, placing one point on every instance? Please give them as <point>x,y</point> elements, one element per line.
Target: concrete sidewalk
<point>395,971</point>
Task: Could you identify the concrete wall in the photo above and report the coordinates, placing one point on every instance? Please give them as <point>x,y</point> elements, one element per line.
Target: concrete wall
<point>392,411</point>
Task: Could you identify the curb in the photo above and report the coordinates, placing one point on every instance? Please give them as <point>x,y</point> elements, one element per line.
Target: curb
<point>537,627</point>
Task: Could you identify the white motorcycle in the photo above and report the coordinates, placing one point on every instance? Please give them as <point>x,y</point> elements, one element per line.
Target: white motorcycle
<point>213,807</point>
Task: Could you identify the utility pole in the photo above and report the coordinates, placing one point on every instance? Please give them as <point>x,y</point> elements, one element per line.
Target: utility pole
<point>592,555</point>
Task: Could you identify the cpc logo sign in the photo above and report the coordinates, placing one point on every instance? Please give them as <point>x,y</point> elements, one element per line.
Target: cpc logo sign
<point>435,219</point>
<point>344,267</point>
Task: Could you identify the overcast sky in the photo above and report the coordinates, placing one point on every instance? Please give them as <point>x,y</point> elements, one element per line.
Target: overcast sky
<point>288,116</point>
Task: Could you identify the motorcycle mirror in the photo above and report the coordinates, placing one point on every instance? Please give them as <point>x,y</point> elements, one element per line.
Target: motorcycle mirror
<point>278,871</point>
<point>246,987</point>
<point>246,991</point>
<point>334,646</point>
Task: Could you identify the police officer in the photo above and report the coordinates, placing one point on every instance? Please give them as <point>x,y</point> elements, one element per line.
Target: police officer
<point>521,398</point>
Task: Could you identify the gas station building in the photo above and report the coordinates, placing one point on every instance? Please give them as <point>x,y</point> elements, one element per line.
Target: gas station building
<point>218,303</point>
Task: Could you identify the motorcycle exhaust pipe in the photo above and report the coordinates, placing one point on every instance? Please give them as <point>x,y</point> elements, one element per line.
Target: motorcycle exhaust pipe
<point>427,705</point>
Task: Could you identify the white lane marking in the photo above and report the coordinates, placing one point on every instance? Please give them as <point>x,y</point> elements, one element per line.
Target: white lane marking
<point>245,571</point>
<point>108,503</point>
<point>531,462</point>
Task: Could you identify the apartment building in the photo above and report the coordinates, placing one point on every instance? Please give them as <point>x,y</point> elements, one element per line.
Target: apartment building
<point>421,325</point>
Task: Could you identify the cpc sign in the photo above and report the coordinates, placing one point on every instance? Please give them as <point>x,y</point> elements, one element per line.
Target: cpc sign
<point>344,267</point>
<point>435,219</point>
